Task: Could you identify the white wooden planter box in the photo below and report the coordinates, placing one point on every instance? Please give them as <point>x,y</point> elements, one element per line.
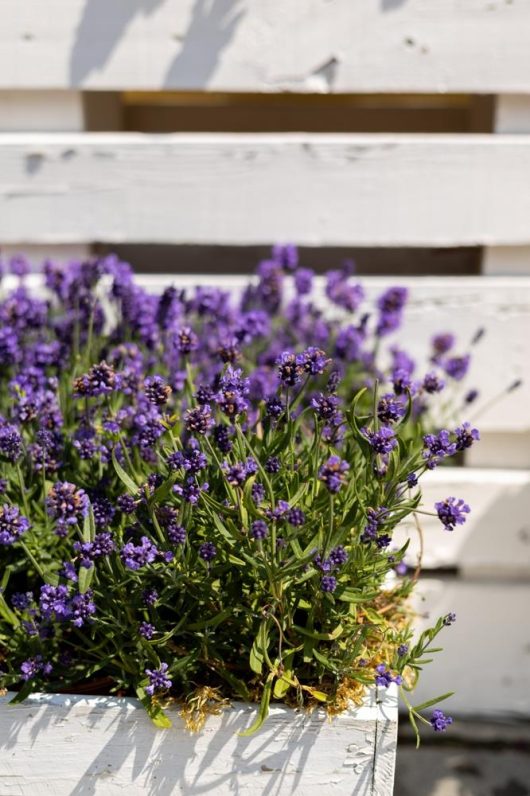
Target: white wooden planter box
<point>73,745</point>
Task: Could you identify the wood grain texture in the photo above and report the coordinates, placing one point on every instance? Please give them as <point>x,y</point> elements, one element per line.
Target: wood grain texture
<point>495,539</point>
<point>248,45</point>
<point>325,189</point>
<point>68,746</point>
<point>485,653</point>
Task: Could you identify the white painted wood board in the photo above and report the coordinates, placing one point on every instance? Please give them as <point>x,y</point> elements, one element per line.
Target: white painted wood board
<point>68,746</point>
<point>501,449</point>
<point>317,189</point>
<point>248,45</point>
<point>41,111</point>
<point>495,539</point>
<point>486,655</point>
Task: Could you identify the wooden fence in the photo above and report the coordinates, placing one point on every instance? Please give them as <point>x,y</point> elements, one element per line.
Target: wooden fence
<point>73,67</point>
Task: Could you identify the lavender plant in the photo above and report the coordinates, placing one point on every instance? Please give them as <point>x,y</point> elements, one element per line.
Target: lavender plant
<point>199,492</point>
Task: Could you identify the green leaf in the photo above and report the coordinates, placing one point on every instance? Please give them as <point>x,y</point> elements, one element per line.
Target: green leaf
<point>259,648</point>
<point>324,661</point>
<point>7,614</point>
<point>320,636</point>
<point>155,712</point>
<point>24,692</point>
<point>126,479</point>
<point>263,708</point>
<point>431,702</point>
<point>89,525</point>
<point>85,578</point>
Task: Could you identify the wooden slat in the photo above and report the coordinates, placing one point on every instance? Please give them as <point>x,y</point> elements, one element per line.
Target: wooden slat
<point>384,190</point>
<point>245,45</point>
<point>485,653</point>
<point>494,541</point>
<point>63,745</point>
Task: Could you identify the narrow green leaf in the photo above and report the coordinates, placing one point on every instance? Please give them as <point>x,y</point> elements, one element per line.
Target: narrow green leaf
<point>431,702</point>
<point>155,712</point>
<point>85,578</point>
<point>263,708</point>
<point>126,479</point>
<point>89,525</point>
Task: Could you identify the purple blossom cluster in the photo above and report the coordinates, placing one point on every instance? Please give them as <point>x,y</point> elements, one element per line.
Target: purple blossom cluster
<point>180,470</point>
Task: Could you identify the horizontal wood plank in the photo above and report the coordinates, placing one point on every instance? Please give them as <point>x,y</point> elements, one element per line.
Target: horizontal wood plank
<point>317,189</point>
<point>485,653</point>
<point>63,745</point>
<point>495,539</point>
<point>246,45</point>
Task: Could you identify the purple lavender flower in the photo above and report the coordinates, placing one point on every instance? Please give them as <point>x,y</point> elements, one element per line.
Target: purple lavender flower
<point>156,390</point>
<point>272,465</point>
<point>332,473</point>
<point>199,420</point>
<point>286,255</point>
<point>295,517</point>
<point>313,360</point>
<point>471,396</point>
<point>186,340</point>
<point>136,556</point>
<point>412,480</point>
<point>126,503</point>
<point>385,678</point>
<point>432,383</point>
<point>82,608</point>
<point>10,443</point>
<point>30,668</point>
<point>466,436</point>
<point>402,650</point>
<point>449,618</point>
<point>158,679</point>
<point>439,721</point>
<point>328,583</point>
<point>100,380</point>
<point>207,551</point>
<point>441,344</point>
<point>393,299</point>
<point>303,281</point>
<point>147,630</point>
<point>338,556</point>
<point>22,600</point>
<point>390,408</point>
<point>67,504</point>
<point>149,597</point>
<point>258,493</point>
<point>259,529</point>
<point>437,447</point>
<point>341,292</point>
<point>274,407</point>
<point>382,441</point>
<point>452,512</point>
<point>54,601</point>
<point>290,369</point>
<point>374,519</point>
<point>10,351</point>
<point>190,490</point>
<point>457,367</point>
<point>221,436</point>
<point>12,524</point>
<point>325,406</point>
